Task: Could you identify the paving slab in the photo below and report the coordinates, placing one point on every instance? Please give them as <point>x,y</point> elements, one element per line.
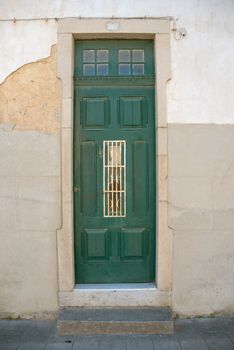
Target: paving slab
<point>219,342</point>
<point>208,325</point>
<point>228,327</point>
<point>32,345</point>
<point>190,334</point>
<point>59,346</point>
<point>9,345</point>
<point>86,343</point>
<point>139,344</point>
<point>3,325</point>
<point>184,326</point>
<point>114,343</point>
<point>192,343</point>
<point>166,342</point>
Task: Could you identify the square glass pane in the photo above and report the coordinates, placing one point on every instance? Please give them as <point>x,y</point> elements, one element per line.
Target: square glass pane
<point>88,69</point>
<point>102,55</point>
<point>138,69</point>
<point>138,55</point>
<point>124,56</point>
<point>102,69</point>
<point>114,157</point>
<point>124,69</point>
<point>89,56</point>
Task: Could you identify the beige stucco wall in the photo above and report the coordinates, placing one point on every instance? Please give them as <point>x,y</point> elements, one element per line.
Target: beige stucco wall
<point>201,214</point>
<point>29,189</point>
<point>30,97</point>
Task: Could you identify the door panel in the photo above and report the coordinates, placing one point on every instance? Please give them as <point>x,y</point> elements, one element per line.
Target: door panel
<point>95,112</point>
<point>134,244</point>
<point>140,179</point>
<point>114,168</point>
<point>132,112</point>
<point>95,244</point>
<point>88,183</point>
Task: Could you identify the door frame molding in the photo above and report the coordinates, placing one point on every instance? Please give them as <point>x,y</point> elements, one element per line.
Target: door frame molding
<point>68,31</point>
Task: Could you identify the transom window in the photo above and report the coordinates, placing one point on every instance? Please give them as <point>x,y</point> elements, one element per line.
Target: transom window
<point>128,62</point>
<point>103,60</point>
<point>131,62</point>
<point>95,62</point>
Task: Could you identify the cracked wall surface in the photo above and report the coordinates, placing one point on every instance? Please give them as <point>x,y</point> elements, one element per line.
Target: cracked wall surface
<point>30,97</point>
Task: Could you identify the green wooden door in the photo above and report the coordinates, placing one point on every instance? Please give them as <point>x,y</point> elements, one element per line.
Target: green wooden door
<point>114,161</point>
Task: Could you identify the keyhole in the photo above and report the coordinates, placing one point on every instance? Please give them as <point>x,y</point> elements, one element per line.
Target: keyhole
<point>100,151</point>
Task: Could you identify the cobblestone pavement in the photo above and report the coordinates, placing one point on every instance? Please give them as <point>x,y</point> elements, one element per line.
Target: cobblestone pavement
<point>190,334</point>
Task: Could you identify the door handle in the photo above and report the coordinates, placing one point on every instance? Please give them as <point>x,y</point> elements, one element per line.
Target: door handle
<point>76,189</point>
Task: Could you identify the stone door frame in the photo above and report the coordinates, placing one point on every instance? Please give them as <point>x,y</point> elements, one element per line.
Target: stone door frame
<point>68,31</point>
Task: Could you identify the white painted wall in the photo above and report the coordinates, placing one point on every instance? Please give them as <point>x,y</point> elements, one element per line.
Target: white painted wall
<point>24,42</point>
<point>202,64</point>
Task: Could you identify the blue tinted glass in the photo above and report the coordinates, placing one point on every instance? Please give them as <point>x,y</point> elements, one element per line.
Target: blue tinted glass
<point>138,55</point>
<point>102,69</point>
<point>124,56</point>
<point>138,69</point>
<point>89,56</point>
<point>88,69</point>
<point>124,69</point>
<point>102,55</point>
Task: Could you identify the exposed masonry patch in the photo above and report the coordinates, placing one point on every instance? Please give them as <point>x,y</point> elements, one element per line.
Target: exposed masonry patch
<point>30,97</point>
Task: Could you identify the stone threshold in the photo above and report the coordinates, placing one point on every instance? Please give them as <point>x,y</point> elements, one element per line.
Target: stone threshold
<point>116,286</point>
<point>115,295</point>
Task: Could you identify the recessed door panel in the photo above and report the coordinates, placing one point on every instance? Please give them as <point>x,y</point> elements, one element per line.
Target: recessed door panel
<point>134,244</point>
<point>88,184</point>
<point>140,178</point>
<point>95,112</point>
<point>95,244</point>
<point>132,112</point>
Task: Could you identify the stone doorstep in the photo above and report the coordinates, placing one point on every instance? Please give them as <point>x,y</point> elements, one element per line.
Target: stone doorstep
<point>76,321</point>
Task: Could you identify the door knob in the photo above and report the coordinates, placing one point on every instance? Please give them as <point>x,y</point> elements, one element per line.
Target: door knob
<point>76,189</point>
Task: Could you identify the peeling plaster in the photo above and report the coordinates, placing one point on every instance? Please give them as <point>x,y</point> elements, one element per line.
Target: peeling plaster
<point>30,97</point>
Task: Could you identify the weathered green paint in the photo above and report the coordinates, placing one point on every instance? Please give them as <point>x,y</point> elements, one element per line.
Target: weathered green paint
<point>122,249</point>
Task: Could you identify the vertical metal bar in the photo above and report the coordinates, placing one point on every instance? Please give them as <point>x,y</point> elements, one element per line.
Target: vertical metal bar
<point>125,190</point>
<point>108,179</point>
<point>120,180</point>
<point>104,177</point>
<point>112,187</point>
<point>116,178</point>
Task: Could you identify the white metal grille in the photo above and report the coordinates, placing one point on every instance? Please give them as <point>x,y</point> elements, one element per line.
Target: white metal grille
<point>114,178</point>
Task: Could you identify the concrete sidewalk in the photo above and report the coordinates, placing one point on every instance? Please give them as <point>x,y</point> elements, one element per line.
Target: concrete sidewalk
<point>195,334</point>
